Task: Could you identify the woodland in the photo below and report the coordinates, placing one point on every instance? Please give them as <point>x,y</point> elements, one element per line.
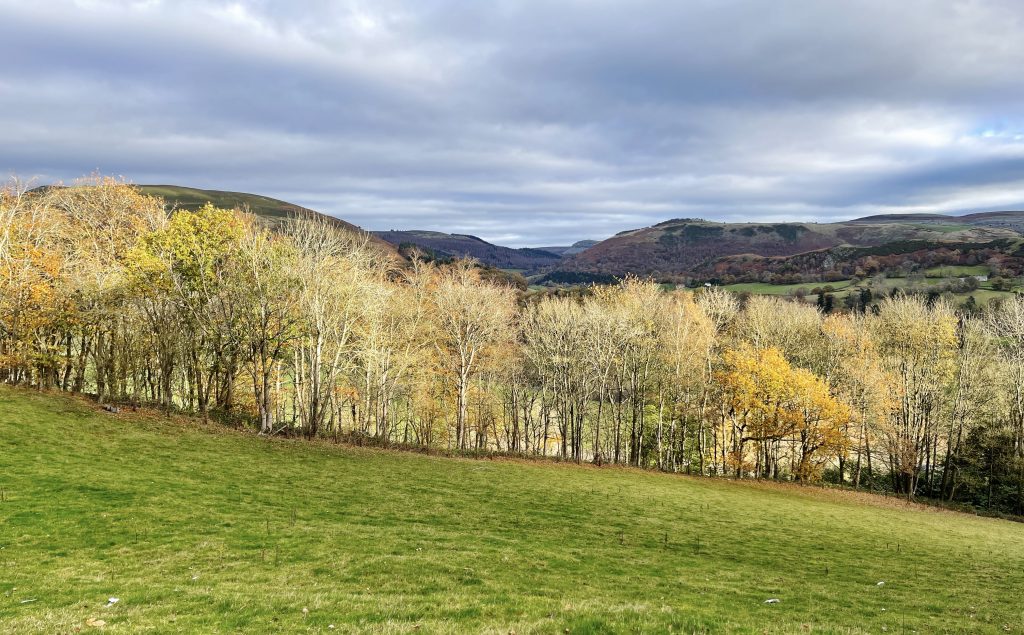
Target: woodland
<point>306,328</point>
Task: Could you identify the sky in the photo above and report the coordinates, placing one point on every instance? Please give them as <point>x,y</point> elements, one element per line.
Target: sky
<point>530,122</point>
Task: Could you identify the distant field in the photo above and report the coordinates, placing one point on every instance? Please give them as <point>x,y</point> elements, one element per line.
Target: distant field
<point>954,271</point>
<point>943,228</point>
<point>196,529</point>
<point>983,296</point>
<point>761,288</point>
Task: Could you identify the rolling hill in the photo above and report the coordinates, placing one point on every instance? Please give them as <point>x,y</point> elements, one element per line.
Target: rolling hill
<point>441,245</point>
<point>689,247</point>
<point>263,206</point>
<point>271,209</point>
<point>197,528</point>
<point>1008,219</point>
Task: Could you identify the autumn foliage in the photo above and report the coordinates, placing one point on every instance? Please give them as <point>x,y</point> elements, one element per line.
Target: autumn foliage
<point>307,328</point>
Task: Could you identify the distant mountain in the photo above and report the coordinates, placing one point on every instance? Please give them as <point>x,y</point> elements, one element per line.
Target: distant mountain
<point>271,209</point>
<point>687,246</point>
<point>1008,219</point>
<point>441,245</point>
<point>904,218</point>
<point>577,247</point>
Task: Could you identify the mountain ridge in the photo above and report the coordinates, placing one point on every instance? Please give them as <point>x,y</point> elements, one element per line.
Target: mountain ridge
<point>442,245</point>
<point>688,247</point>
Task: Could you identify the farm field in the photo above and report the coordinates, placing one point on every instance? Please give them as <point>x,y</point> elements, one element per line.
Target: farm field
<point>194,528</point>
<point>762,288</point>
<point>957,270</point>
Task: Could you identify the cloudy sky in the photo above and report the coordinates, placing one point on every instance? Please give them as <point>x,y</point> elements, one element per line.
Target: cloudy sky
<point>528,122</point>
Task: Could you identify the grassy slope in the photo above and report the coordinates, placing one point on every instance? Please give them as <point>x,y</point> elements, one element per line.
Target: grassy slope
<point>271,209</point>
<point>194,198</point>
<point>199,530</point>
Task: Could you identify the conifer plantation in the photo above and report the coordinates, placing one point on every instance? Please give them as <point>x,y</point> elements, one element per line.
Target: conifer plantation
<point>308,328</point>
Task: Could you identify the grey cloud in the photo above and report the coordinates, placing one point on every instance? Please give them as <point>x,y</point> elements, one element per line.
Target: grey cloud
<point>528,122</point>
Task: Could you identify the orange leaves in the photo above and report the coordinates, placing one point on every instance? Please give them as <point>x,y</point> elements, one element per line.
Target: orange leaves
<point>33,297</point>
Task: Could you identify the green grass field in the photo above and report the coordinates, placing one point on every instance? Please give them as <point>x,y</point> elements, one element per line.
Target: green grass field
<point>763,288</point>
<point>951,271</point>
<point>198,529</point>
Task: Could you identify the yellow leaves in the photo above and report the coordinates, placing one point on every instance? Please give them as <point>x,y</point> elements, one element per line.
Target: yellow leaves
<point>909,328</point>
<point>756,380</point>
<point>33,291</point>
<point>688,338</point>
<point>190,251</point>
<point>197,241</point>
<point>775,401</point>
<point>822,417</point>
<point>862,378</point>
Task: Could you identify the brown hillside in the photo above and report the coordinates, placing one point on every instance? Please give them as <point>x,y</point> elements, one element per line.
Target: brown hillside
<point>681,247</point>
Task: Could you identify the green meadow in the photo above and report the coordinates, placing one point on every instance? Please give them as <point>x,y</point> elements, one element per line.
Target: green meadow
<point>195,528</point>
<point>764,288</point>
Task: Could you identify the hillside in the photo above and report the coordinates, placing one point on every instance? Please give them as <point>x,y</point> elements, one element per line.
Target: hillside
<point>1007,219</point>
<point>570,250</point>
<point>1002,257</point>
<point>195,528</point>
<point>265,207</point>
<point>684,247</point>
<point>441,245</point>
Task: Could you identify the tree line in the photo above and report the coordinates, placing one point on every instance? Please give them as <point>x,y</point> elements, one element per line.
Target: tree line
<point>308,328</point>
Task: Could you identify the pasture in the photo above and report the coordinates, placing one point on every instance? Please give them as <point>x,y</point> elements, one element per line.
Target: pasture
<point>195,528</point>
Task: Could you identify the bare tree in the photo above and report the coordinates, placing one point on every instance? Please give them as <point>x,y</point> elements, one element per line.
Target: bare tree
<point>471,317</point>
